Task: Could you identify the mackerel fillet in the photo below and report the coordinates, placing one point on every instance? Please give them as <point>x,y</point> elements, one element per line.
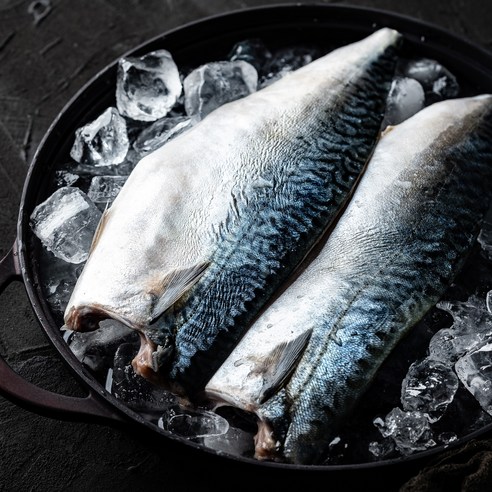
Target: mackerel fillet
<point>402,239</point>
<point>208,226</point>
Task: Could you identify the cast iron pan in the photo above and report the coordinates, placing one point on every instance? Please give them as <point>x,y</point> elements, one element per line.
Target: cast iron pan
<point>323,25</point>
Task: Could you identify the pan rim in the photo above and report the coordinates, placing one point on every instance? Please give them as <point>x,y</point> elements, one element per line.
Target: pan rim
<point>482,61</point>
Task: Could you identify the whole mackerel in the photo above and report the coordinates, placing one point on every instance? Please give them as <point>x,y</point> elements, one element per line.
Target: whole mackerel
<point>402,239</point>
<point>209,225</point>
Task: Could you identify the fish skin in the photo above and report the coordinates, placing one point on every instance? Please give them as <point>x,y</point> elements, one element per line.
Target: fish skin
<point>325,162</point>
<point>178,238</point>
<point>404,236</point>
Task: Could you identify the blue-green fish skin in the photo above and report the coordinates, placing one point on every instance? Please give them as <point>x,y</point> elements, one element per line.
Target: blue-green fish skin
<point>334,127</point>
<point>222,207</point>
<point>402,239</point>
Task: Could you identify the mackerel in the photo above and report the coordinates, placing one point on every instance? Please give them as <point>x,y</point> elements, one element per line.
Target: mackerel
<point>209,225</point>
<point>405,234</point>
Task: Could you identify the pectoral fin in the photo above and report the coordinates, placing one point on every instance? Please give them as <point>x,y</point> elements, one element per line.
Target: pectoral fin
<point>281,362</point>
<point>175,284</point>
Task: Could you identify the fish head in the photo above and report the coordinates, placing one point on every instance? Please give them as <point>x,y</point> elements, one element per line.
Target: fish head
<point>152,357</point>
<point>128,294</point>
<point>134,282</point>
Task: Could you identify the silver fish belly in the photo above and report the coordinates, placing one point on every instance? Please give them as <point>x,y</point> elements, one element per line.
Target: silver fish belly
<point>320,167</point>
<point>208,225</point>
<point>403,237</point>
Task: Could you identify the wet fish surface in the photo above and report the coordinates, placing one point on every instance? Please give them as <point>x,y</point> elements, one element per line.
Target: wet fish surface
<point>207,226</point>
<point>405,234</point>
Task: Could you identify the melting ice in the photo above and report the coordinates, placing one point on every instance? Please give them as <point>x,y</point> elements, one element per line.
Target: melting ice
<point>60,281</point>
<point>253,51</point>
<point>96,349</point>
<point>156,403</point>
<point>285,60</point>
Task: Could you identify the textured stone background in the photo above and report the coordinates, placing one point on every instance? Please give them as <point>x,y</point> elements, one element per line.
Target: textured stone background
<point>48,50</point>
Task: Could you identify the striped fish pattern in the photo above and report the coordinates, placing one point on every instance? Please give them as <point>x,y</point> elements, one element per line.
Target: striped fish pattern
<point>316,154</point>
<point>404,236</point>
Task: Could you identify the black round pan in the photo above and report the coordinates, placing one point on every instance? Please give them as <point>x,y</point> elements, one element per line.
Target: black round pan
<point>193,44</point>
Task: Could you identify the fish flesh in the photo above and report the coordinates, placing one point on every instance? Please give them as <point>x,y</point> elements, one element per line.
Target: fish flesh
<point>208,226</point>
<point>303,365</point>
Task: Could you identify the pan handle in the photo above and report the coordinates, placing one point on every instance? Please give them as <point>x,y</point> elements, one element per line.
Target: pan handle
<point>33,398</point>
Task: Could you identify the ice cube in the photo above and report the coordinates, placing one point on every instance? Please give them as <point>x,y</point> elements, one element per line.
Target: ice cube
<point>447,438</point>
<point>234,441</point>
<point>216,83</point>
<point>104,189</point>
<point>475,371</point>
<point>158,133</point>
<point>409,430</point>
<point>429,387</point>
<point>147,87</point>
<point>65,223</point>
<point>102,142</point>
<point>253,51</point>
<point>135,391</point>
<point>437,81</point>
<point>58,280</point>
<point>60,292</point>
<point>382,449</point>
<point>406,97</point>
<point>472,326</point>
<point>285,60</point>
<point>65,178</point>
<point>193,424</point>
<point>158,404</point>
<point>96,349</point>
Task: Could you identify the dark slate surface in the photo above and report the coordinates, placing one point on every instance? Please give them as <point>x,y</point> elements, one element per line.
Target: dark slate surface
<point>48,50</point>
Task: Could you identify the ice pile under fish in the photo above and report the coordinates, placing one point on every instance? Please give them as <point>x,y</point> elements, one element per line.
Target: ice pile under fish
<point>272,247</point>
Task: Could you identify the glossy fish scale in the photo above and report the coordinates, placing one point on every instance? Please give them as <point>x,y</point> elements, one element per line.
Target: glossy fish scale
<point>406,233</point>
<point>190,211</point>
<point>284,215</point>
